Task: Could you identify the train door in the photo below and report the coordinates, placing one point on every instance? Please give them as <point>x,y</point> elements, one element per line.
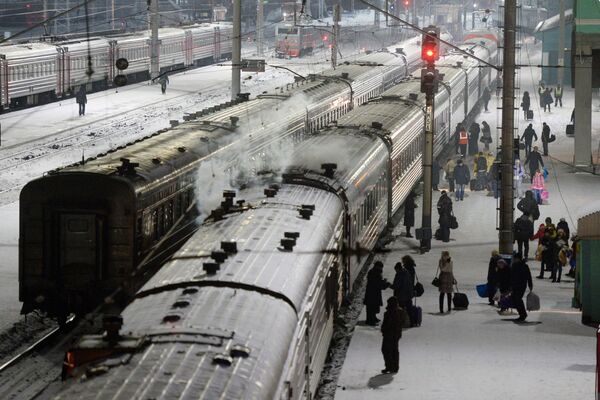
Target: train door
<point>80,256</point>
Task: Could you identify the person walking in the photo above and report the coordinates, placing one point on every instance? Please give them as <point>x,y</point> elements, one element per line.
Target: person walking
<point>449,170</point>
<point>486,135</point>
<point>535,161</point>
<point>446,280</point>
<point>538,186</point>
<point>528,137</point>
<point>403,286</point>
<point>492,279</point>
<point>528,205</point>
<point>164,80</point>
<point>520,279</point>
<point>462,177</point>
<point>373,299</point>
<point>463,141</point>
<point>558,92</point>
<point>474,131</point>
<point>409,212</point>
<point>81,99</point>
<point>391,332</point>
<point>444,207</point>
<point>547,99</point>
<point>545,137</point>
<point>523,230</point>
<point>549,253</point>
<point>518,173</point>
<point>525,104</point>
<point>486,98</point>
<point>562,259</point>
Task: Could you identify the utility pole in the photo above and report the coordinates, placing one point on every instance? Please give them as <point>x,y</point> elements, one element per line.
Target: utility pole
<point>508,121</point>
<point>259,27</point>
<point>236,56</point>
<point>561,44</point>
<point>336,31</point>
<point>429,85</point>
<point>154,43</point>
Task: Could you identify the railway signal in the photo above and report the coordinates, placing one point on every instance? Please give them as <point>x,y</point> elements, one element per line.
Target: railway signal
<point>121,80</point>
<point>430,51</point>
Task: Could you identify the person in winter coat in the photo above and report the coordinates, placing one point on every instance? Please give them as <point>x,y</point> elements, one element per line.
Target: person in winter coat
<point>562,224</point>
<point>562,258</point>
<point>525,104</point>
<point>391,330</point>
<point>486,135</point>
<point>518,172</point>
<point>463,141</point>
<point>494,178</point>
<point>573,258</point>
<point>523,230</point>
<point>547,99</point>
<point>492,279</point>
<point>486,98</point>
<point>558,92</point>
<point>539,235</point>
<point>503,280</point>
<point>444,207</point>
<point>409,213</point>
<point>520,278</point>
<point>480,164</point>
<point>373,300</point>
<point>446,280</point>
<point>549,251</point>
<point>538,185</point>
<point>528,205</point>
<point>462,177</point>
<point>545,137</point>
<point>534,159</point>
<point>81,99</point>
<point>409,263</point>
<point>403,286</point>
<point>474,131</point>
<point>163,80</point>
<point>449,170</point>
<point>435,174</point>
<point>528,137</point>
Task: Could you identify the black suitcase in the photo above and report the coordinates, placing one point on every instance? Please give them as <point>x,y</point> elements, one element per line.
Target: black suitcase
<point>460,301</point>
<point>570,130</point>
<point>473,185</point>
<point>529,114</point>
<point>416,315</point>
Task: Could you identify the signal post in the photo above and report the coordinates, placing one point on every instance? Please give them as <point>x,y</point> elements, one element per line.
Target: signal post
<point>429,85</point>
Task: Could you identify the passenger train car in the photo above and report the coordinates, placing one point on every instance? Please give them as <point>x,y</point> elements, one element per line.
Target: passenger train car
<point>33,73</point>
<point>245,309</point>
<point>77,246</point>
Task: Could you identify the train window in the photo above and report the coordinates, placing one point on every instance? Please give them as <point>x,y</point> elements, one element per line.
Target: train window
<point>78,225</point>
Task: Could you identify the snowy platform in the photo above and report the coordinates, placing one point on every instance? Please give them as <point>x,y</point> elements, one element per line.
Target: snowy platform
<point>477,354</point>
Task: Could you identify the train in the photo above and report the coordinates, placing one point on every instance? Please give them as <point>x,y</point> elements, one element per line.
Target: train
<point>245,309</point>
<point>38,72</point>
<point>292,40</point>
<point>78,246</point>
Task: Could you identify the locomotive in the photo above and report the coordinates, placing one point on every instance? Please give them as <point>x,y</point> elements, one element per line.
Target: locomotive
<point>245,309</point>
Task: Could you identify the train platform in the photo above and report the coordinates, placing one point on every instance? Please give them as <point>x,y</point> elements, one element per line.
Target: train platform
<point>477,353</point>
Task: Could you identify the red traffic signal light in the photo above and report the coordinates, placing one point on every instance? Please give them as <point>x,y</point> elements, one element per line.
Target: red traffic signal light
<point>406,3</point>
<point>429,47</point>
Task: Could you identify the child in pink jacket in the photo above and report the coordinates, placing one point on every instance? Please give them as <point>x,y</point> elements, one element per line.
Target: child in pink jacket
<point>537,185</point>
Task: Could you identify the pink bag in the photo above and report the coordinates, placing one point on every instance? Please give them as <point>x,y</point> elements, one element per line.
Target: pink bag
<point>545,195</point>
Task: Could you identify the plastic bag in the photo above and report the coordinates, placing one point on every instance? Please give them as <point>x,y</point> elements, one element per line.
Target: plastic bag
<point>533,302</point>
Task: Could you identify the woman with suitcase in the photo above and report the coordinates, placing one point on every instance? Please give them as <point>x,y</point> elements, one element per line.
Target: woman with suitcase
<point>446,280</point>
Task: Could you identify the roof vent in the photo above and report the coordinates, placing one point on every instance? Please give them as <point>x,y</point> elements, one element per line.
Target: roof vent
<point>180,304</point>
<point>228,195</point>
<point>308,206</point>
<point>288,243</point>
<point>234,120</point>
<point>174,123</point>
<point>413,96</point>
<point>329,169</point>
<point>270,192</point>
<point>156,161</point>
<point>240,203</point>
<point>112,325</point>
<point>345,75</point>
<point>223,360</point>
<point>127,168</point>
<point>181,149</point>
<point>243,96</point>
<point>459,64</point>
<point>171,318</point>
<point>238,350</point>
<point>293,235</point>
<point>229,247</point>
<point>376,125</point>
<point>210,268</point>
<point>305,212</point>
<point>219,256</point>
<point>190,291</point>
<point>399,50</point>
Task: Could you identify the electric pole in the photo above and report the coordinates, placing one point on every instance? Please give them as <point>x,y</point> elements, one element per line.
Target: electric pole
<point>429,85</point>
<point>259,27</point>
<point>154,42</point>
<point>336,31</point>
<point>236,56</point>
<point>561,44</point>
<point>508,121</point>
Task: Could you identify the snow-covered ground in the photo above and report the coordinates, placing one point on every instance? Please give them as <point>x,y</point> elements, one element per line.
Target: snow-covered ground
<point>477,354</point>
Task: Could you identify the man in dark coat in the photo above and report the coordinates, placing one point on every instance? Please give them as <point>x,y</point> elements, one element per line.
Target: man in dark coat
<point>391,330</point>
<point>523,230</point>
<point>529,136</point>
<point>462,176</point>
<point>373,299</point>
<point>534,159</point>
<point>545,137</point>
<point>494,177</point>
<point>81,99</point>
<point>528,205</point>
<point>520,278</point>
<point>474,131</point>
<point>492,279</point>
<point>550,252</point>
<point>444,206</point>
<point>409,213</point>
<point>403,286</point>
<point>562,224</point>
<point>486,98</point>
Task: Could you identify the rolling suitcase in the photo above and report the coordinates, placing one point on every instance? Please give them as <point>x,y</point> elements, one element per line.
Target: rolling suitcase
<point>570,130</point>
<point>416,315</point>
<point>460,301</point>
<point>529,114</point>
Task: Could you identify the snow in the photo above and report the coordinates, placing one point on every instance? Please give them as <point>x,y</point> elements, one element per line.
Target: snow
<point>476,353</point>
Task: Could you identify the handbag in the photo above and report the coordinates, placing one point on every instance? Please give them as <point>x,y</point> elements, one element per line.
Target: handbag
<point>533,302</point>
<point>418,288</point>
<point>482,290</point>
<point>453,222</point>
<point>436,281</point>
